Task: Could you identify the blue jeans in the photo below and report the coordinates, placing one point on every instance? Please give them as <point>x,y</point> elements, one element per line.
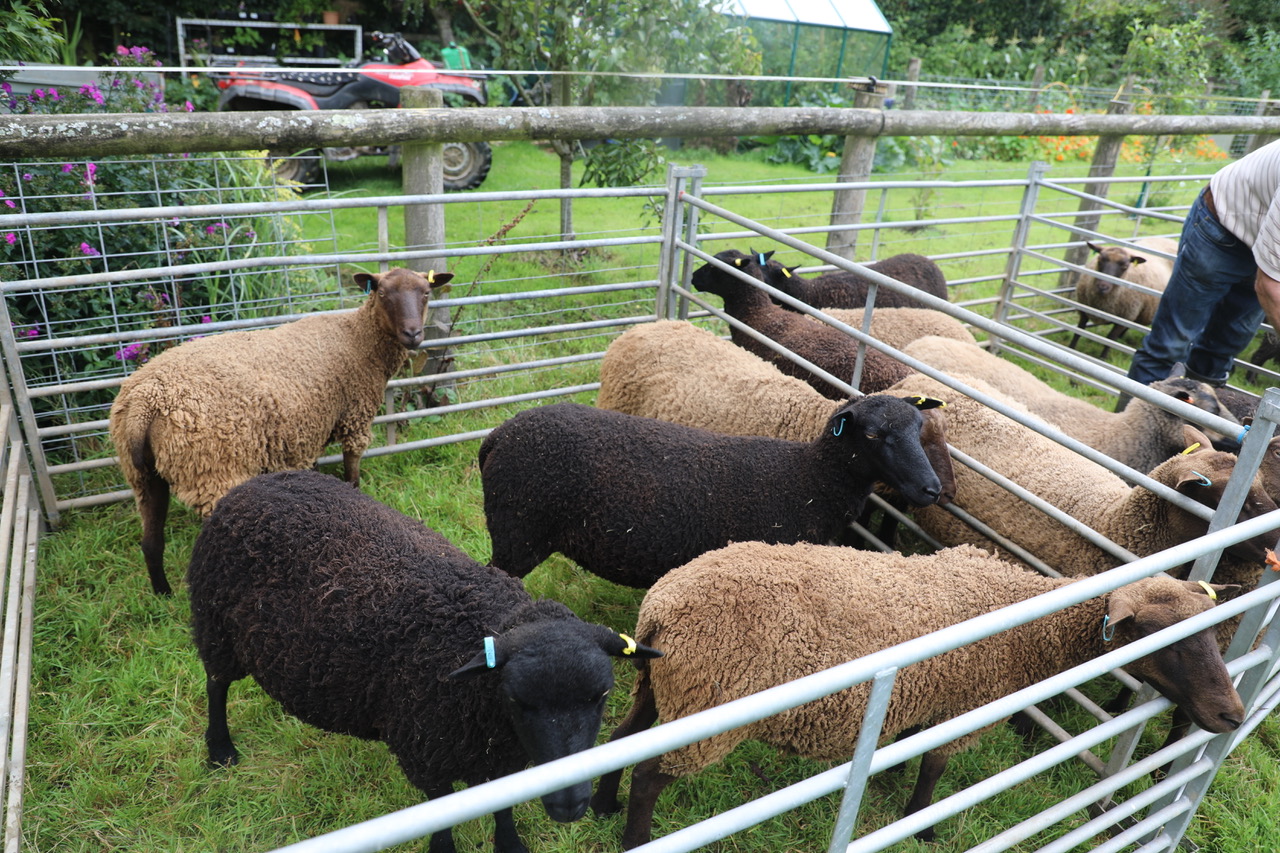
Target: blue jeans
<point>1209,312</point>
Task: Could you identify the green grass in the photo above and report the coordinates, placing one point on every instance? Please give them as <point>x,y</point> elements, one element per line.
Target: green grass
<point>116,755</point>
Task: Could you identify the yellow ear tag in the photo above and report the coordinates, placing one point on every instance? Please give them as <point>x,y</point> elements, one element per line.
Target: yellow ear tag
<point>1192,449</point>
<point>1208,589</point>
<point>431,276</point>
<point>631,645</point>
<point>737,262</point>
<point>786,272</point>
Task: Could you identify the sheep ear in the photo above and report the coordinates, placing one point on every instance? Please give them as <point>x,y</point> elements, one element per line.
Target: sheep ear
<point>737,262</point>
<point>1137,259</point>
<point>921,402</point>
<point>487,659</point>
<point>1178,371</point>
<point>623,646</point>
<point>1094,246</point>
<point>365,280</point>
<point>1119,608</point>
<point>787,271</point>
<point>439,281</point>
<point>1217,591</point>
<point>1195,440</point>
<point>837,423</point>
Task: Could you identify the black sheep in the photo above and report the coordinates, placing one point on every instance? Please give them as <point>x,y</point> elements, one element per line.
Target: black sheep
<point>815,341</point>
<point>629,498</point>
<point>362,621</point>
<point>844,289</point>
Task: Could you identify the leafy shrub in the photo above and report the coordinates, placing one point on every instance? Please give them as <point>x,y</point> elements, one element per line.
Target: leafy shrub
<point>54,251</point>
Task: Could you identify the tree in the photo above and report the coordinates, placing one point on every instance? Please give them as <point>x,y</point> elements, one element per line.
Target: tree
<point>595,39</point>
<point>27,35</point>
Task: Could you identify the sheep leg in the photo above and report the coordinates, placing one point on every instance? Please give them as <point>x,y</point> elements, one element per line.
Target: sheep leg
<point>505,837</point>
<point>1178,726</point>
<point>222,752</point>
<point>931,766</point>
<point>351,466</point>
<point>647,782</point>
<point>153,506</point>
<point>1084,321</point>
<point>442,840</point>
<point>643,714</point>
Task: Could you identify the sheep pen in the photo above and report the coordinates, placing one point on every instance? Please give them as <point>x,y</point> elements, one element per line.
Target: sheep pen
<point>142,645</point>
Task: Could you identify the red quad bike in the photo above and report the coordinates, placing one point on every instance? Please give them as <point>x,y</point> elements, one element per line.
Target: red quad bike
<point>370,84</point>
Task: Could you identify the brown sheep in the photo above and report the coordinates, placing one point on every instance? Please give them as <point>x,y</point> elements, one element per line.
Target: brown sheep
<point>209,414</point>
<point>1142,268</point>
<point>751,616</point>
<point>824,346</point>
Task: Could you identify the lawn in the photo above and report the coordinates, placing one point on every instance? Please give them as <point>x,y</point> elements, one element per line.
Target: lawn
<point>116,754</point>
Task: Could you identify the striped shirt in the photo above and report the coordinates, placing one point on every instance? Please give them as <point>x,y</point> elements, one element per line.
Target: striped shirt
<point>1246,195</point>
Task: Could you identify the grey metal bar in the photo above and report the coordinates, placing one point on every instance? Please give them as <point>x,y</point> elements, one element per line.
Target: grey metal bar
<point>473,802</point>
<point>15,782</point>
<point>856,786</point>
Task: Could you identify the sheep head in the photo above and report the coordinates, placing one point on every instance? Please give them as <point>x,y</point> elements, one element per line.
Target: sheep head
<point>1190,672</point>
<point>402,296</point>
<point>553,678</point>
<point>1201,473</point>
<point>1113,261</point>
<point>883,432</point>
<point>711,279</point>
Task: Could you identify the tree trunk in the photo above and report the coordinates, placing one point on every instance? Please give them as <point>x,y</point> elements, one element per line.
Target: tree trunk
<point>444,23</point>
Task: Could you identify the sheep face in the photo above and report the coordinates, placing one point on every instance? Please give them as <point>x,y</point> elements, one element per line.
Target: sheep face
<point>1190,673</point>
<point>1202,475</point>
<point>709,278</point>
<point>886,431</point>
<point>402,296</point>
<point>555,676</point>
<point>1113,261</point>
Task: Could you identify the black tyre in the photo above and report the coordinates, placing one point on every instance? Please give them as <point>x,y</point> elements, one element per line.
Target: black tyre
<point>301,167</point>
<point>466,164</point>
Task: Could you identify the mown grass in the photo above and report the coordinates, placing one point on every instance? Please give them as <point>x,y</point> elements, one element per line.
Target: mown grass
<point>116,756</point>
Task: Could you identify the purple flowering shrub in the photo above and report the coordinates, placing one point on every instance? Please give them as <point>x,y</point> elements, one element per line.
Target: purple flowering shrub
<point>46,251</point>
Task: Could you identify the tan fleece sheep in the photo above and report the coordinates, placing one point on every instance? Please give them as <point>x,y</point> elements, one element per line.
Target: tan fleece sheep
<point>1131,516</point>
<point>898,327</point>
<point>750,616</point>
<point>1142,436</point>
<point>209,414</point>
<point>678,372</point>
<point>1143,268</point>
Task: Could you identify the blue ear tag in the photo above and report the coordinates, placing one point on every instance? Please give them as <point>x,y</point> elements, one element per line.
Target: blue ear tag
<point>838,428</point>
<point>1108,630</point>
<point>490,655</point>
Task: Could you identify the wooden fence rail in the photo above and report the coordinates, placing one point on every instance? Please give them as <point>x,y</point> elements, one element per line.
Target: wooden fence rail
<point>81,136</point>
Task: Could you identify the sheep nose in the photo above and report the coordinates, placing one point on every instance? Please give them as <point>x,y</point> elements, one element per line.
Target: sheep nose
<point>411,337</point>
<point>1232,721</point>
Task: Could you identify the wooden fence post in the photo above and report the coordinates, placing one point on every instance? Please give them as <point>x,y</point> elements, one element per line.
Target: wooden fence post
<point>909,92</point>
<point>1266,107</point>
<point>855,166</point>
<point>1105,157</point>
<point>1037,83</point>
<point>423,173</point>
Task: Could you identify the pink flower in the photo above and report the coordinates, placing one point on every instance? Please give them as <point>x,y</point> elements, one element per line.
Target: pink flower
<point>90,173</point>
<point>9,203</point>
<point>10,237</point>
<point>67,167</point>
<point>121,50</point>
<point>37,94</point>
<point>189,107</point>
<point>86,249</point>
<point>53,93</point>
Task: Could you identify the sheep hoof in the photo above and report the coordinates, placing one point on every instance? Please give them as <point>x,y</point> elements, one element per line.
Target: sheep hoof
<point>224,759</point>
<point>605,807</point>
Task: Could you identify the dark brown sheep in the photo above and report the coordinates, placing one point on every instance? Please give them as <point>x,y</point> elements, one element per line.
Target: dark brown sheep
<point>824,346</point>
<point>628,498</point>
<point>844,289</point>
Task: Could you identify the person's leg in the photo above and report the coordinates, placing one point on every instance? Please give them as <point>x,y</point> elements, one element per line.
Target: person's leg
<point>1234,322</point>
<point>1212,266</point>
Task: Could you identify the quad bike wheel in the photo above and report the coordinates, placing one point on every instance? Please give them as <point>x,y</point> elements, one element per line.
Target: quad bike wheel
<point>466,164</point>
<point>302,167</point>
